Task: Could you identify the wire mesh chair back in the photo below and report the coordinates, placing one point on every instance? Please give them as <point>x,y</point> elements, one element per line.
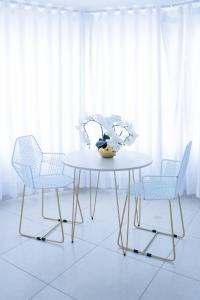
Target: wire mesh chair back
<point>26,158</point>
<point>170,167</point>
<point>183,168</point>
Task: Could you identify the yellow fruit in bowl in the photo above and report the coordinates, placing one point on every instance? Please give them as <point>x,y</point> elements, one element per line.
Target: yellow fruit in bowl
<point>107,152</point>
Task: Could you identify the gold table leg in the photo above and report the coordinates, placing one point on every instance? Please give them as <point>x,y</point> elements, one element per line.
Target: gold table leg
<point>75,203</point>
<point>93,207</point>
<point>120,238</point>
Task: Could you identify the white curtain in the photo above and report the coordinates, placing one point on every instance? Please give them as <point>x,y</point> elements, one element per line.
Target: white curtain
<point>142,64</point>
<point>181,48</point>
<point>39,81</point>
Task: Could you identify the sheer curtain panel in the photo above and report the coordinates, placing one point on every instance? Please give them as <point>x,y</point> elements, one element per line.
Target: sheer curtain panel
<point>39,81</point>
<point>144,64</point>
<point>57,65</point>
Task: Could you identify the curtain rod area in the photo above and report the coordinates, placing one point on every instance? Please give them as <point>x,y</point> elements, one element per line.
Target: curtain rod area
<point>86,11</point>
<point>138,6</point>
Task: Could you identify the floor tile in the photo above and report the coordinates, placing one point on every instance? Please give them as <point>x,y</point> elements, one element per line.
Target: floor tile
<point>187,262</point>
<point>105,220</point>
<point>156,216</point>
<point>106,275</point>
<point>94,267</point>
<point>191,202</point>
<point>49,293</point>
<point>138,239</point>
<point>167,286</point>
<point>33,205</point>
<point>194,227</point>
<point>16,284</point>
<point>47,260</point>
<point>94,231</point>
<point>9,230</point>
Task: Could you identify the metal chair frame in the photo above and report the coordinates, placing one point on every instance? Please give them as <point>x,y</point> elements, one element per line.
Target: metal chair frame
<point>29,172</point>
<point>179,174</point>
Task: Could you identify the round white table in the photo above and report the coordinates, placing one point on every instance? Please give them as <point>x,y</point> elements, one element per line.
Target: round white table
<point>123,161</point>
<point>92,161</point>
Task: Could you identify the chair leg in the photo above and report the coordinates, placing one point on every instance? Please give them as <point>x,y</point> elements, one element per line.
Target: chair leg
<point>172,231</point>
<point>64,220</point>
<point>139,203</point>
<point>43,237</point>
<point>156,233</point>
<point>138,226</point>
<point>181,215</point>
<point>138,212</point>
<point>22,211</point>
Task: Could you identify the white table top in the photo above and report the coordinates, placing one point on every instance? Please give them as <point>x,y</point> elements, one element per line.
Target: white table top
<point>91,160</point>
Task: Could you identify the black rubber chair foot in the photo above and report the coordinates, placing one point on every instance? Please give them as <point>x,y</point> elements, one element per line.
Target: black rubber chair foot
<point>38,238</point>
<point>148,254</point>
<point>63,220</point>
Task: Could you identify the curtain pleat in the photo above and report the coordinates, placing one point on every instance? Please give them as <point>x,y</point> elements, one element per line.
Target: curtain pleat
<point>142,64</point>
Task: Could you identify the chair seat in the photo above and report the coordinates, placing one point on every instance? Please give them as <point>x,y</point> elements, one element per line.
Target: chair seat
<point>52,181</point>
<point>154,191</point>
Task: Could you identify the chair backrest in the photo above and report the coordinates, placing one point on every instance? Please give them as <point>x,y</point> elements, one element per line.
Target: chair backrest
<point>183,167</point>
<point>27,152</point>
<point>170,167</point>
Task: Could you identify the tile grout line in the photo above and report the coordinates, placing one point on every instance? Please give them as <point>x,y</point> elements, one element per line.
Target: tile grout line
<point>48,285</point>
<point>162,269</point>
<point>80,258</point>
<point>133,258</point>
<point>148,285</point>
<point>95,244</point>
<point>98,246</point>
<point>30,274</point>
<point>181,275</point>
<point>178,241</point>
<point>117,251</point>
<point>12,248</point>
<point>109,250</point>
<point>26,240</point>
<point>37,292</point>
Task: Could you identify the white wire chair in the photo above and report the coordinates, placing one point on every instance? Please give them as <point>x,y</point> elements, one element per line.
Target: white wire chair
<point>167,186</point>
<point>39,170</point>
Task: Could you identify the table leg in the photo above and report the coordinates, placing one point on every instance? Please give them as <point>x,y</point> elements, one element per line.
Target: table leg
<point>76,203</point>
<point>92,208</point>
<point>120,238</point>
<point>138,205</point>
<point>127,202</point>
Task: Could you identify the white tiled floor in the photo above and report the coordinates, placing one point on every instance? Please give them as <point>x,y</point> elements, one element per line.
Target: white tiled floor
<point>93,267</point>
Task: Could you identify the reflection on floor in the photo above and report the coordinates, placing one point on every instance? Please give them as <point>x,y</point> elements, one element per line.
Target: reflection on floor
<point>93,268</point>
